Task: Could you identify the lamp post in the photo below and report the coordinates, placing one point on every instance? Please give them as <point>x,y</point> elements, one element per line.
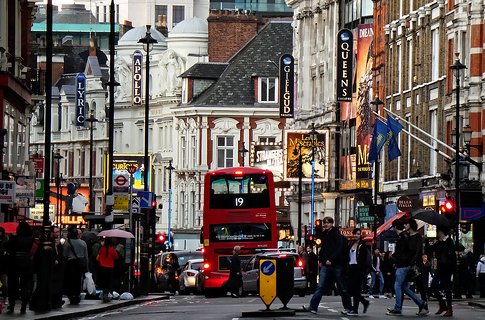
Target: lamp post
<point>170,168</point>
<point>92,119</point>
<point>300,185</point>
<point>148,42</point>
<point>243,152</point>
<point>456,68</point>
<point>313,133</point>
<point>467,137</point>
<point>58,157</point>
<point>377,103</point>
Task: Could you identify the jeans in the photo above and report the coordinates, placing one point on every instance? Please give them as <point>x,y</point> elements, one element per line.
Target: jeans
<point>373,275</point>
<point>325,272</point>
<point>401,287</point>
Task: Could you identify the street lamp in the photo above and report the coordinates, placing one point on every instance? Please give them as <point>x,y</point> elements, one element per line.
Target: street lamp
<point>170,168</point>
<point>148,42</point>
<point>300,185</point>
<point>377,103</point>
<point>313,134</point>
<point>456,68</point>
<point>58,157</point>
<point>92,119</point>
<point>243,152</point>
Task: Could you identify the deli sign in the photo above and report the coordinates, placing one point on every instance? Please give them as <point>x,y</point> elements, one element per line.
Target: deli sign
<point>345,53</point>
<point>287,86</point>
<point>137,60</point>
<point>80,99</point>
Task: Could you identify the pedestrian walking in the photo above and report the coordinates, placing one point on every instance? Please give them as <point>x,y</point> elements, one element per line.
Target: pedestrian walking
<point>376,274</point>
<point>311,269</point>
<point>75,252</point>
<point>422,283</point>
<point>58,269</point>
<point>481,275</point>
<point>235,273</point>
<point>388,270</point>
<point>408,249</point>
<point>359,264</point>
<point>332,258</point>
<point>106,258</point>
<point>21,251</point>
<point>444,252</point>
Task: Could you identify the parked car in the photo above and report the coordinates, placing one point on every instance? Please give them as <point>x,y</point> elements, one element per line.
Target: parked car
<point>251,272</point>
<point>168,267</point>
<point>189,277</point>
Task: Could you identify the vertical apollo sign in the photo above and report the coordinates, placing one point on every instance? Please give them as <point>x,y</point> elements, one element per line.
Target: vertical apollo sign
<point>287,86</point>
<point>80,99</point>
<point>344,65</point>
<point>137,69</point>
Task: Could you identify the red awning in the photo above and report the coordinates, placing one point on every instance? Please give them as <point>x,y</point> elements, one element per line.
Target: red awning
<point>385,226</point>
<point>10,227</point>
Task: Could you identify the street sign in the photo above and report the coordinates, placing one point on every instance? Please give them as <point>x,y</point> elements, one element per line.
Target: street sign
<point>146,199</point>
<point>131,169</point>
<point>121,202</point>
<point>267,276</point>
<point>38,164</point>
<point>7,192</point>
<point>121,180</point>
<point>135,205</point>
<point>363,215</point>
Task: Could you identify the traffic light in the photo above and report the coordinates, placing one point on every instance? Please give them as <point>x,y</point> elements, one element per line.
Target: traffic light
<point>161,238</point>
<point>318,228</point>
<point>154,201</point>
<point>448,207</point>
<point>160,245</point>
<point>309,240</point>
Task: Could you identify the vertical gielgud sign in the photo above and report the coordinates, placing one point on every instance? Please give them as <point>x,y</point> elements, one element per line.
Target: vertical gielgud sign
<point>344,65</point>
<point>287,86</point>
<point>80,99</point>
<point>137,69</point>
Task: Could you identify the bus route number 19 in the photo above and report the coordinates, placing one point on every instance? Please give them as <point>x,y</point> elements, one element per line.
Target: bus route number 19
<point>239,202</point>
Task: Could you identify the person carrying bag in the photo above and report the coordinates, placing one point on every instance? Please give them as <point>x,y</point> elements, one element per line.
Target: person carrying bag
<point>76,254</point>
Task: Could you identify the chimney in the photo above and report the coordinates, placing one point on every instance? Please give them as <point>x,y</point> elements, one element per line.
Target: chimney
<point>162,25</point>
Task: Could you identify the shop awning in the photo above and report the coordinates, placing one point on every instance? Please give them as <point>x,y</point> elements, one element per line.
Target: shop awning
<point>385,226</point>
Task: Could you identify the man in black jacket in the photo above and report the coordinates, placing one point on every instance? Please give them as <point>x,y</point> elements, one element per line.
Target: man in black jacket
<point>331,260</point>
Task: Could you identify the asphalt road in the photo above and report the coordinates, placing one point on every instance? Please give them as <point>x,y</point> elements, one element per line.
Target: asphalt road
<point>201,308</point>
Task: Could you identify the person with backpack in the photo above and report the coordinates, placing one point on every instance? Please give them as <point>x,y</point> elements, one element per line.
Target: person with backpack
<point>332,260</point>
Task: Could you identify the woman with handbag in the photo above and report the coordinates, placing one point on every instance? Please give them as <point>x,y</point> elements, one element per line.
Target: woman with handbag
<point>444,251</point>
<point>106,258</point>
<point>76,254</point>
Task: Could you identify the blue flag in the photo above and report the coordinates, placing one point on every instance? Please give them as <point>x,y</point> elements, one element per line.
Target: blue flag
<point>379,138</point>
<point>395,128</point>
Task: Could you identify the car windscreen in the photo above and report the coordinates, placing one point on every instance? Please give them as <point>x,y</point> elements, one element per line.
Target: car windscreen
<point>197,266</point>
<point>235,192</point>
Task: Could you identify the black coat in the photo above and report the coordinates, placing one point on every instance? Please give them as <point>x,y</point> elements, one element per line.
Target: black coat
<point>333,248</point>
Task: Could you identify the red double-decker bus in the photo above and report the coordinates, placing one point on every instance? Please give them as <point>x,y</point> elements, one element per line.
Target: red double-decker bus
<point>239,209</point>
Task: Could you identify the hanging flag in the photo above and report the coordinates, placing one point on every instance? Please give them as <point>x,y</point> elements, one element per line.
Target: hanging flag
<point>394,128</point>
<point>379,138</point>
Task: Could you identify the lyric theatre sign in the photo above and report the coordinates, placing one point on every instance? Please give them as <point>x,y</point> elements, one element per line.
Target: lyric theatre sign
<point>80,99</point>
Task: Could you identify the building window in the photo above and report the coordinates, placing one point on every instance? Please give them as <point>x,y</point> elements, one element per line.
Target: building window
<point>225,152</point>
<point>178,14</point>
<point>183,150</point>
<point>435,52</point>
<point>267,89</point>
<point>182,212</point>
<point>193,145</point>
<point>160,10</point>
<point>97,13</point>
<point>410,65</point>
<point>117,13</point>
<point>105,13</point>
<point>399,68</point>
<point>433,155</point>
<point>193,208</point>
<point>267,139</point>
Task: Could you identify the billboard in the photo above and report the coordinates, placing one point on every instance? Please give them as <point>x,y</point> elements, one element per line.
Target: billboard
<point>80,99</point>
<point>70,204</point>
<point>301,140</point>
<point>25,188</point>
<point>120,164</point>
<point>137,60</point>
<point>270,157</point>
<point>345,57</point>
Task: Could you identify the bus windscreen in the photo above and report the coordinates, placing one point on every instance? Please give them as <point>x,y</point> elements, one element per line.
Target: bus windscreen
<point>240,232</point>
<point>238,192</point>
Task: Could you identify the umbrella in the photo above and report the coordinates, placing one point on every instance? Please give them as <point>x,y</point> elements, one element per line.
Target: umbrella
<point>431,217</point>
<point>116,233</point>
<point>10,227</point>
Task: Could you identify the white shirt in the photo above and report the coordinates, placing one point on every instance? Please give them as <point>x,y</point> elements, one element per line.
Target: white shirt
<point>481,266</point>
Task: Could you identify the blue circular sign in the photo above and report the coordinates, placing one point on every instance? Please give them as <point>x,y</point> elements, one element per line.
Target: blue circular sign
<point>268,268</point>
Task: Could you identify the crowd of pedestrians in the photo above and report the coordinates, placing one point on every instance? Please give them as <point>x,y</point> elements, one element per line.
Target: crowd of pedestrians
<point>414,266</point>
<point>73,260</point>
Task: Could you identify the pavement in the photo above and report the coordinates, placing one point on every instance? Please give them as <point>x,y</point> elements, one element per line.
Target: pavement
<point>84,308</point>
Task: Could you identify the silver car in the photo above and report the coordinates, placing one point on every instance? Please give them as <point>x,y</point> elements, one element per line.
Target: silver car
<point>189,279</point>
<point>251,272</point>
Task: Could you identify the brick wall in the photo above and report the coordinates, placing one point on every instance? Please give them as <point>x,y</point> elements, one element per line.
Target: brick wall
<point>228,32</point>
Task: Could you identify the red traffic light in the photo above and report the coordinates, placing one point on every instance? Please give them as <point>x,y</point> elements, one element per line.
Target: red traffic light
<point>318,222</point>
<point>161,238</point>
<point>448,207</point>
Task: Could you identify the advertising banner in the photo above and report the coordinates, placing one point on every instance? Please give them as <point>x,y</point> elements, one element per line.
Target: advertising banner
<point>70,204</point>
<point>362,104</point>
<point>270,157</point>
<point>121,162</point>
<point>345,57</point>
<point>25,189</point>
<point>287,86</point>
<point>7,192</point>
<point>37,213</point>
<point>80,99</point>
<point>301,141</point>
<point>137,69</point>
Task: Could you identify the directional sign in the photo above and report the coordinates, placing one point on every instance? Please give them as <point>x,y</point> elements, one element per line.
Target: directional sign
<point>135,205</point>
<point>146,199</point>
<point>121,180</point>
<point>267,280</point>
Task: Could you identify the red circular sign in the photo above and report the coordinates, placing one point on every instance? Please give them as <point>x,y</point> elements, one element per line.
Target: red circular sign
<point>121,180</point>
<point>405,204</point>
<point>131,169</point>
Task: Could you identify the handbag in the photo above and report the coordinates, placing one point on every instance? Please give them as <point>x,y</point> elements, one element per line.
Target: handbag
<point>414,273</point>
<point>80,261</point>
